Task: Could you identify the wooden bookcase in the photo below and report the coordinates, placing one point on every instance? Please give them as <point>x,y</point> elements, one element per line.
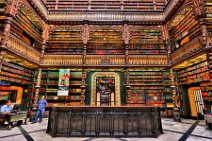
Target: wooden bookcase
<point>185,30</point>
<point>74,88</point>
<point>15,75</point>
<point>146,42</point>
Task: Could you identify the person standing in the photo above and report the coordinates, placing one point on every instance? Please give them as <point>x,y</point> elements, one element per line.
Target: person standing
<point>42,103</point>
<point>6,110</point>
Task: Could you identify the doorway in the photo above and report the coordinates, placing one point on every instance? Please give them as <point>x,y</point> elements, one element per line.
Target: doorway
<point>105,89</point>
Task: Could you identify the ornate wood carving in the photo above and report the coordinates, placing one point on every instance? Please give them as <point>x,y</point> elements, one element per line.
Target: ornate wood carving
<point>106,27</point>
<point>52,28</point>
<point>6,32</point>
<point>22,49</point>
<point>39,5</point>
<point>1,58</point>
<point>85,33</point>
<point>23,4</point>
<point>126,34</point>
<point>12,7</point>
<point>45,37</point>
<point>199,8</point>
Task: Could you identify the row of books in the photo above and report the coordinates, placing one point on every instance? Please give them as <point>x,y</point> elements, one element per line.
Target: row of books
<point>3,87</point>
<point>17,71</point>
<point>186,30</point>
<point>16,80</point>
<point>4,93</point>
<point>195,68</point>
<point>73,97</point>
<point>18,76</point>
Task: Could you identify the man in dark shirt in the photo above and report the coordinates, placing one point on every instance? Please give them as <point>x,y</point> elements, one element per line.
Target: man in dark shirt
<point>42,103</point>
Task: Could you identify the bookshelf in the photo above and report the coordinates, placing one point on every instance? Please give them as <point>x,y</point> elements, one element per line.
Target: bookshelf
<point>74,88</point>
<point>184,29</point>
<point>147,87</point>
<point>52,88</point>
<point>49,88</point>
<point>197,74</point>
<point>146,42</point>
<point>208,16</point>
<point>105,42</point>
<point>15,75</point>
<point>4,90</point>
<point>64,41</point>
<point>26,29</point>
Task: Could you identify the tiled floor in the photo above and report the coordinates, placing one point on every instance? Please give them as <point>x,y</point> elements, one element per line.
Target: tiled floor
<point>173,131</point>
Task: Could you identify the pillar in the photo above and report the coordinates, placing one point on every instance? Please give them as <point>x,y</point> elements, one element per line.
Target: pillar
<point>1,58</point>
<point>37,88</point>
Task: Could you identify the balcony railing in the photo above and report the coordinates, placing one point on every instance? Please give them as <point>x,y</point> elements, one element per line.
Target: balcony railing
<point>186,50</point>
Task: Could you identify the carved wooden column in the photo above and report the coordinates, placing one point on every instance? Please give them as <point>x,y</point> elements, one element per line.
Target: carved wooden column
<point>85,38</point>
<point>176,110</point>
<point>1,58</point>
<point>126,36</point>
<point>173,87</point>
<point>167,42</point>
<point>37,88</point>
<point>45,37</point>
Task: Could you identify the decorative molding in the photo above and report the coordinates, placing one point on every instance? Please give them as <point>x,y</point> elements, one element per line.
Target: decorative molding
<point>107,16</point>
<point>61,60</point>
<point>172,4</point>
<point>117,86</point>
<point>85,33</point>
<point>12,7</point>
<point>106,27</point>
<point>53,28</point>
<point>41,7</point>
<point>198,8</point>
<point>126,34</point>
<point>186,50</point>
<point>20,48</point>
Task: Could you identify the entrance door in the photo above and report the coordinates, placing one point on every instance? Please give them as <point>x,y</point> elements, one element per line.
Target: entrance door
<point>105,91</point>
<point>196,101</point>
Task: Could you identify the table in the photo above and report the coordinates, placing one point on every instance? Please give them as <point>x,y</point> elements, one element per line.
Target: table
<point>122,121</point>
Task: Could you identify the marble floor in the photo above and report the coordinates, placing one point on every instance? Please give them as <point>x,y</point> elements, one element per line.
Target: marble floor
<point>173,131</point>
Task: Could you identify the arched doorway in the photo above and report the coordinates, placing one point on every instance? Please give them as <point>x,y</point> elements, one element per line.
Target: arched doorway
<point>105,89</point>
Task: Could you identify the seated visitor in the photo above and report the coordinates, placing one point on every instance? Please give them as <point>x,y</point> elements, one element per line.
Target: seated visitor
<point>6,110</point>
<point>42,103</point>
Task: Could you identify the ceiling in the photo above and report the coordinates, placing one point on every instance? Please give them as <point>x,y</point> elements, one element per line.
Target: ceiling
<point>191,61</point>
<point>18,60</point>
<point>108,5</point>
